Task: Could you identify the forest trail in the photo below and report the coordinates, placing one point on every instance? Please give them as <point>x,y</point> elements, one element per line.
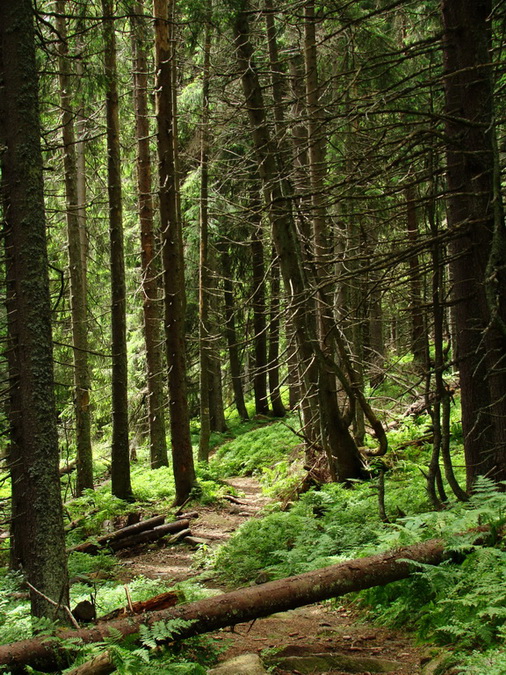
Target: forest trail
<point>317,639</point>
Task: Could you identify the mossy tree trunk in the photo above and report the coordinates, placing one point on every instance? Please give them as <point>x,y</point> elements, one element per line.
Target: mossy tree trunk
<point>37,536</point>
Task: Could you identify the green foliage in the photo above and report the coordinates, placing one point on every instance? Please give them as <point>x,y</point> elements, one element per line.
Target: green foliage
<point>463,601</point>
<point>491,662</point>
<point>82,565</point>
<point>252,451</point>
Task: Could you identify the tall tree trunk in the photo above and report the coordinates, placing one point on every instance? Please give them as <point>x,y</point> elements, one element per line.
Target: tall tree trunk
<point>120,457</point>
<point>76,255</point>
<point>152,302</point>
<point>320,235</point>
<point>342,453</point>
<point>37,535</point>
<point>216,405</point>
<point>418,332</point>
<point>259,308</point>
<point>205,332</point>
<point>278,409</point>
<point>475,220</point>
<point>230,331</point>
<point>175,301</point>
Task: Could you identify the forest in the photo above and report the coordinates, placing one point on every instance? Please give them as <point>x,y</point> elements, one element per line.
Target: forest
<point>253,267</point>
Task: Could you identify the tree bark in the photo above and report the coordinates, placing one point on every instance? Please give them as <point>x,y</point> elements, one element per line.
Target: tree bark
<point>278,409</point>
<point>37,533</point>
<point>242,605</point>
<point>172,247</point>
<point>152,302</point>
<point>259,307</point>
<point>120,451</point>
<point>230,331</point>
<point>418,332</point>
<point>204,272</point>
<point>76,256</point>
<point>475,219</point>
<point>342,453</point>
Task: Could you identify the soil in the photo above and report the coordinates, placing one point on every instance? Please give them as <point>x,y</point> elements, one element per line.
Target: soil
<point>317,629</point>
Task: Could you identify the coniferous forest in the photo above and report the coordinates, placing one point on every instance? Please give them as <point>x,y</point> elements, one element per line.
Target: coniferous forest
<point>251,243</point>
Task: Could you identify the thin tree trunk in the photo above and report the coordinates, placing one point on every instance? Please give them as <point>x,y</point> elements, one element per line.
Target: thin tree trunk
<point>204,276</point>
<point>441,409</point>
<point>78,303</point>
<point>120,455</point>
<point>343,457</point>
<point>259,309</point>
<point>230,332</point>
<point>216,405</point>
<point>418,332</point>
<point>175,301</point>
<point>37,534</point>
<point>152,302</point>
<point>278,409</point>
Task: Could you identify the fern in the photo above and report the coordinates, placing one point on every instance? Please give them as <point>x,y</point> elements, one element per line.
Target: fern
<point>162,631</point>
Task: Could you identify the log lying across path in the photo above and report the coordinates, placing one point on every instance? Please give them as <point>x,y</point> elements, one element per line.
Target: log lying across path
<point>238,606</point>
<point>140,533</point>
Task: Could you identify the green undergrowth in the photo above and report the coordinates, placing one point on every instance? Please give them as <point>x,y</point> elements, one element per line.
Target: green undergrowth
<point>143,655</point>
<point>255,450</point>
<point>460,603</point>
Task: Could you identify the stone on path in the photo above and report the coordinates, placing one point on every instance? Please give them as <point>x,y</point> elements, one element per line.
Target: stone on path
<point>246,664</point>
<point>321,663</point>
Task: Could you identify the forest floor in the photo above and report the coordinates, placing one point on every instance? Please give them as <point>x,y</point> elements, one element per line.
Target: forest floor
<point>316,639</point>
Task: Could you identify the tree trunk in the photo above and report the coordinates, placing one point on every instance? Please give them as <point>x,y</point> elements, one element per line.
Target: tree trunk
<point>475,220</point>
<point>120,455</point>
<point>175,301</point>
<point>418,332</point>
<point>245,604</point>
<point>342,453</point>
<point>205,332</point>
<point>230,331</point>
<point>152,302</point>
<point>76,256</point>
<point>259,308</point>
<point>216,405</point>
<point>37,534</point>
<point>278,409</point>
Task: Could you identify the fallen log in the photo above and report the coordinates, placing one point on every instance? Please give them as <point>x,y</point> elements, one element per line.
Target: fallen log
<point>245,604</point>
<point>141,526</point>
<point>156,603</point>
<point>68,468</point>
<point>132,535</point>
<point>149,535</point>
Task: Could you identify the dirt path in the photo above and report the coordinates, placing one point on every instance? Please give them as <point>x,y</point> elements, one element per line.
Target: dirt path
<point>316,639</point>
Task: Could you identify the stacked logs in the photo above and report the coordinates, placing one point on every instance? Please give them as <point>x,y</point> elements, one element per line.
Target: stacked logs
<point>144,532</point>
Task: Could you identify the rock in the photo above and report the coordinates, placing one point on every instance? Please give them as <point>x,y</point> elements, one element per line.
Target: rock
<point>437,663</point>
<point>319,663</point>
<point>246,664</point>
